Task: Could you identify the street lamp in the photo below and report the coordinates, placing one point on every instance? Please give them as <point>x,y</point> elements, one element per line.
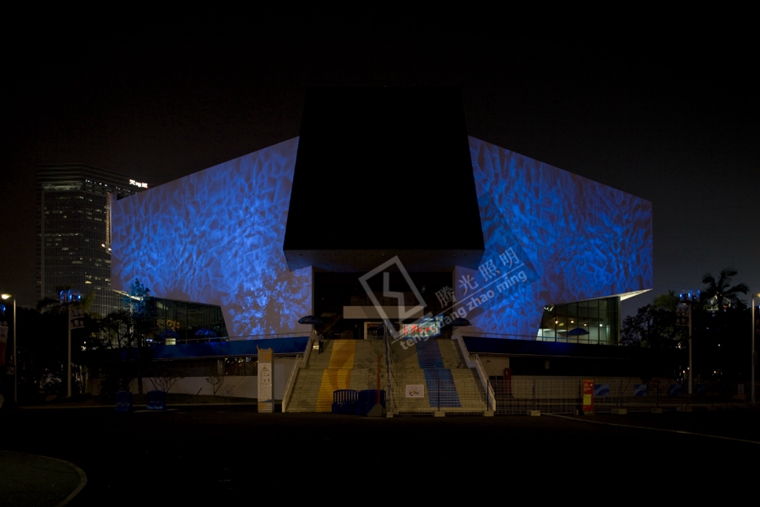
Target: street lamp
<point>69,298</point>
<point>752,370</point>
<point>15,362</point>
<point>688,298</point>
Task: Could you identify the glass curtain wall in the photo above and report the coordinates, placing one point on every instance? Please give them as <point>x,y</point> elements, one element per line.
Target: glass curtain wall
<point>596,321</point>
<point>183,322</point>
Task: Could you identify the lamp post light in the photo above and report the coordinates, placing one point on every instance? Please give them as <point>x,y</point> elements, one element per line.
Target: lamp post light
<point>15,349</point>
<point>688,298</point>
<point>70,298</point>
<point>754,357</point>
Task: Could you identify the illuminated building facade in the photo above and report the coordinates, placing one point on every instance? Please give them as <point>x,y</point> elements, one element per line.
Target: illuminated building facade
<point>74,231</point>
<point>387,180</point>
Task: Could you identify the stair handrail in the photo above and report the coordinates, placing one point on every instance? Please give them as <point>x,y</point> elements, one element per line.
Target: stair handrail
<point>390,400</point>
<point>291,382</point>
<point>313,336</point>
<point>300,362</point>
<point>473,361</point>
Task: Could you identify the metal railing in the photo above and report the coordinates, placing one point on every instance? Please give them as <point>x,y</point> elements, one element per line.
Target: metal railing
<point>390,398</point>
<point>451,396</point>
<point>266,336</point>
<point>212,339</point>
<point>563,396</point>
<point>473,361</point>
<point>300,362</point>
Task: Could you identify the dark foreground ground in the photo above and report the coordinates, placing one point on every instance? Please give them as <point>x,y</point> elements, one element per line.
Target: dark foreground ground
<point>202,455</point>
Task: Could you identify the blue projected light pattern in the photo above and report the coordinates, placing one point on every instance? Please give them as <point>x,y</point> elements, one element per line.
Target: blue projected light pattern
<point>578,239</point>
<point>216,237</point>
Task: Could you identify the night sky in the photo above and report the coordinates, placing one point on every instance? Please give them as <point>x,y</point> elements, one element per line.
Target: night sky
<point>677,126</point>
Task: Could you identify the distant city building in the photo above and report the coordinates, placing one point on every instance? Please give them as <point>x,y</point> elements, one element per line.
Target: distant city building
<point>74,231</point>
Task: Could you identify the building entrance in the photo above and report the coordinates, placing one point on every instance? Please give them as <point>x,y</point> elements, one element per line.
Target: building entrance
<point>348,312</point>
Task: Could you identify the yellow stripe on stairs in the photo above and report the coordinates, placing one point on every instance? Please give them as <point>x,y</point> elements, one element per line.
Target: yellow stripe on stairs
<point>343,353</point>
<point>338,374</point>
<point>332,379</point>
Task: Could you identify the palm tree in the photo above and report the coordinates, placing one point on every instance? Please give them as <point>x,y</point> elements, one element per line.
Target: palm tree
<point>719,294</point>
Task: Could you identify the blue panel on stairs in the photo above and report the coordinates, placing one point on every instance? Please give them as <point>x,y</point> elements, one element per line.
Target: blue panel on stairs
<point>441,389</point>
<point>429,355</point>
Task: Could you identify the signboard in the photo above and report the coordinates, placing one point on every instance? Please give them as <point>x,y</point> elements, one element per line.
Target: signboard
<point>266,403</point>
<point>426,327</point>
<point>415,391</point>
<point>601,390</point>
<point>588,396</point>
<point>639,389</point>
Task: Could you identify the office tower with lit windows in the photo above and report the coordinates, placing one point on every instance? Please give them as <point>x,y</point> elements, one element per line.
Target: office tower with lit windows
<point>74,231</point>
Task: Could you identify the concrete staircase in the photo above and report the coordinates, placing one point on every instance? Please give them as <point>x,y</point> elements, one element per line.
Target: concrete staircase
<point>447,385</point>
<point>435,370</point>
<point>344,364</point>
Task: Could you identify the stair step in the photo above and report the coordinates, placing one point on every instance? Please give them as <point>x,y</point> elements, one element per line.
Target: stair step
<point>352,364</point>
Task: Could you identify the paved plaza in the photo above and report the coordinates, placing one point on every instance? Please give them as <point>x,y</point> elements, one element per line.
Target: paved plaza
<point>196,455</point>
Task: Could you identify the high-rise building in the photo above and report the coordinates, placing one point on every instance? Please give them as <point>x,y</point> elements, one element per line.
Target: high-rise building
<point>74,231</point>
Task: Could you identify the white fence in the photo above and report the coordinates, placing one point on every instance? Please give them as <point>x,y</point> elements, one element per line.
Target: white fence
<point>564,395</point>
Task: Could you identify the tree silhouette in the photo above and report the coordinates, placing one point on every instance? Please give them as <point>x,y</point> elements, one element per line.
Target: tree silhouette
<point>722,321</point>
<point>719,295</point>
<point>653,326</point>
<point>716,323</point>
<point>138,301</point>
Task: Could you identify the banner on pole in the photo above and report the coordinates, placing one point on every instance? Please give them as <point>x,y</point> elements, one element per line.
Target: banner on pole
<point>588,396</point>
<point>266,401</point>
